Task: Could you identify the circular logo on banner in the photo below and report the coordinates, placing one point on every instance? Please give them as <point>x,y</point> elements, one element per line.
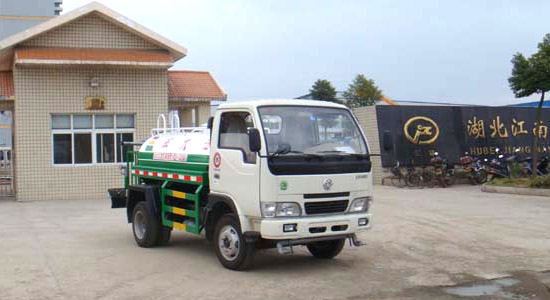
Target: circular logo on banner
<point>217,160</point>
<point>421,130</point>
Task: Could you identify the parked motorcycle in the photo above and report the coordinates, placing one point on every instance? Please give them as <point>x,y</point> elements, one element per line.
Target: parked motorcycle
<point>497,167</point>
<point>474,169</point>
<point>443,171</point>
<point>543,165</point>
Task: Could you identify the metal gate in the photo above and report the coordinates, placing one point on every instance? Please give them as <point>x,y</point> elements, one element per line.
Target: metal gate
<point>6,172</point>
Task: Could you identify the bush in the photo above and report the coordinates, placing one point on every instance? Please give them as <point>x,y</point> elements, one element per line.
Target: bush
<point>542,182</point>
<point>515,170</point>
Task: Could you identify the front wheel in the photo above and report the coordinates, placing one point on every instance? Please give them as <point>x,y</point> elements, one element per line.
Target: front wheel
<point>326,250</point>
<point>480,177</point>
<point>232,250</point>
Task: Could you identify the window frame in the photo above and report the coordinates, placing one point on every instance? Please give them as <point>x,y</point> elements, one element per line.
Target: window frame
<point>243,151</point>
<point>93,131</point>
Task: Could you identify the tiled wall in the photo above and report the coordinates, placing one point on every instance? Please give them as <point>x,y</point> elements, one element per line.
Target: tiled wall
<point>367,118</point>
<point>90,31</point>
<point>41,92</point>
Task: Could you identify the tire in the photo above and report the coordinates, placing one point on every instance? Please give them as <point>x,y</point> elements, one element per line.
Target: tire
<point>449,179</point>
<point>413,180</point>
<point>326,250</point>
<point>480,177</point>
<point>397,182</point>
<point>428,179</point>
<point>232,250</point>
<point>145,226</point>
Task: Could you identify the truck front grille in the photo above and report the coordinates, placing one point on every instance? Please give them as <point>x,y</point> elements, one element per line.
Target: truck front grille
<point>326,207</point>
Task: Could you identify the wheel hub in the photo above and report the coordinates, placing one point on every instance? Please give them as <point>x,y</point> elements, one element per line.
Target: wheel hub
<point>229,242</point>
<point>140,226</point>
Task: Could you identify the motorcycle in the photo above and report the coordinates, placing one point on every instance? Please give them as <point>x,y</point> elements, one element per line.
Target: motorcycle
<point>473,169</point>
<point>497,167</point>
<point>443,171</point>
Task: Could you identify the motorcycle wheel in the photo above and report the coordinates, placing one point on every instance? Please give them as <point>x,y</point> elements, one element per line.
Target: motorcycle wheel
<point>413,180</point>
<point>480,177</point>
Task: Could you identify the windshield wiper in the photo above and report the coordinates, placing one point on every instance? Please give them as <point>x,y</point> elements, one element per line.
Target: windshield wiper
<point>286,151</point>
<point>332,151</point>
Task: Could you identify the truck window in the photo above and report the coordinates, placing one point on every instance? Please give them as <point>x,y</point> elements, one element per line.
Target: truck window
<point>233,133</point>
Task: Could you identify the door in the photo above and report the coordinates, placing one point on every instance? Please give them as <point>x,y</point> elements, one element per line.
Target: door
<point>235,170</point>
<point>6,162</point>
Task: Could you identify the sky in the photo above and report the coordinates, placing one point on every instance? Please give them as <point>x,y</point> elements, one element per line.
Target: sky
<point>424,50</point>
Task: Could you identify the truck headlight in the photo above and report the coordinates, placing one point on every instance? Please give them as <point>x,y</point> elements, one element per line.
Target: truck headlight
<point>280,209</point>
<point>360,205</point>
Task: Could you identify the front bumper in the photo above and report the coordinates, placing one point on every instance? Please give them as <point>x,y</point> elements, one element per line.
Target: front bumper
<point>311,227</point>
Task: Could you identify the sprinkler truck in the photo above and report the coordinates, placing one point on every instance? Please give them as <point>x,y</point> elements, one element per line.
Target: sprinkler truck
<point>261,174</point>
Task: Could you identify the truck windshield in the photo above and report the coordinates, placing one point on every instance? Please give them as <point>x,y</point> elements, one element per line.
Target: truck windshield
<point>295,130</point>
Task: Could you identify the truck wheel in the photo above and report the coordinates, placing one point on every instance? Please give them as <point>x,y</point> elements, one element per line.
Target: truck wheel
<point>326,250</point>
<point>145,226</point>
<point>232,250</point>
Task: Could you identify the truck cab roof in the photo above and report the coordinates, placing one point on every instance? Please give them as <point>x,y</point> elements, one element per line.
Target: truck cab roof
<point>253,104</point>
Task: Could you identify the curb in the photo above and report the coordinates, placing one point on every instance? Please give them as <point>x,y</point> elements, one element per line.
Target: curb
<point>515,190</point>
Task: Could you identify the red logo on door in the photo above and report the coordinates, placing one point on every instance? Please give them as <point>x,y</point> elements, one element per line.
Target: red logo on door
<point>217,160</point>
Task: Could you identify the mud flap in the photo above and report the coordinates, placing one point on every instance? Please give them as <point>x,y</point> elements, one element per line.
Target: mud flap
<point>118,198</point>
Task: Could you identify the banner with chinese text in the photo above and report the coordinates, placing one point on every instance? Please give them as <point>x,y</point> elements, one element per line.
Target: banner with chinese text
<point>412,134</point>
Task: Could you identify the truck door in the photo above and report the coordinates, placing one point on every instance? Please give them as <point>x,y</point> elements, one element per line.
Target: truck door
<point>235,171</point>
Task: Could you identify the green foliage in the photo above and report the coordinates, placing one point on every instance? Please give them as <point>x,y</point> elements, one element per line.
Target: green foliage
<point>513,182</point>
<point>531,75</point>
<point>541,182</point>
<point>515,170</point>
<point>362,92</point>
<point>323,90</point>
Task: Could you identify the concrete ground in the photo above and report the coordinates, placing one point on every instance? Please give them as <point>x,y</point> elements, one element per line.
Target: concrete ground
<point>425,243</point>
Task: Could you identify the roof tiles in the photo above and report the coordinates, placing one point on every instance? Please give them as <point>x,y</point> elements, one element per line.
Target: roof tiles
<point>194,84</point>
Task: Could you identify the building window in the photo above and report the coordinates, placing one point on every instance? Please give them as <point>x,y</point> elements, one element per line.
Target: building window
<point>79,139</point>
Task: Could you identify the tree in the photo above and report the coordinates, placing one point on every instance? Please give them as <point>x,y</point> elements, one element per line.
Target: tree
<point>323,90</point>
<point>532,76</point>
<point>362,92</point>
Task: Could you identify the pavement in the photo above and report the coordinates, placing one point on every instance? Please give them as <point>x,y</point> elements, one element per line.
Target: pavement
<point>454,243</point>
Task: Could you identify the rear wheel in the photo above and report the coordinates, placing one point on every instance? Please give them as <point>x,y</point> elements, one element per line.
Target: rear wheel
<point>413,180</point>
<point>144,225</point>
<point>326,250</point>
<point>232,250</point>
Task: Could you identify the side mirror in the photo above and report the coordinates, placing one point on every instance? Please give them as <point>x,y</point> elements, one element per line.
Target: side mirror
<point>210,123</point>
<point>254,140</point>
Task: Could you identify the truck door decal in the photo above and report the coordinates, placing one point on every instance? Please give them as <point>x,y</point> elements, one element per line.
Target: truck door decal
<point>217,160</point>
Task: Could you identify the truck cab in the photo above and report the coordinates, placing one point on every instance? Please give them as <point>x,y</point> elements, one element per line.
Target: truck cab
<point>296,171</point>
<point>277,173</point>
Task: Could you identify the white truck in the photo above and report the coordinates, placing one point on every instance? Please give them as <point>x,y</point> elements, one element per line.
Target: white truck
<point>271,173</point>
